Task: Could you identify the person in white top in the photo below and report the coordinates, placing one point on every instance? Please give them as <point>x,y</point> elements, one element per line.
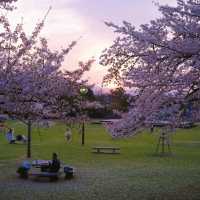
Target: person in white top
<point>68,134</point>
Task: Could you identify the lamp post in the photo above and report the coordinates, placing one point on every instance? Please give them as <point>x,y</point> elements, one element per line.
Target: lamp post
<point>83,92</point>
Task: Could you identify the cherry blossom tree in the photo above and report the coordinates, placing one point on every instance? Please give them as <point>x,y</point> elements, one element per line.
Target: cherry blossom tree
<point>32,84</point>
<point>7,4</point>
<point>160,60</point>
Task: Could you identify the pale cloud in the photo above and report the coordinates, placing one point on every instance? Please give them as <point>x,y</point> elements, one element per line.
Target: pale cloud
<point>71,19</point>
<point>65,20</point>
<point>42,4</point>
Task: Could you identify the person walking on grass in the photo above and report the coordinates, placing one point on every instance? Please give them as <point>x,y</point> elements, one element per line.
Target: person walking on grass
<point>68,135</point>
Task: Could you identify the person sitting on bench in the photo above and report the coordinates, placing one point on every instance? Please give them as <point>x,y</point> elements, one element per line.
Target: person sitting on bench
<point>53,166</point>
<point>55,163</point>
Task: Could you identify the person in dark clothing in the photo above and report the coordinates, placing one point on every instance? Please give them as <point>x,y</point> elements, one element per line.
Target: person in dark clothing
<point>55,164</point>
<point>21,138</point>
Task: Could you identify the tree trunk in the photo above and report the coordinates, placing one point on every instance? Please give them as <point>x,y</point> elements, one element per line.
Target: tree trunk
<point>29,140</point>
<point>83,133</point>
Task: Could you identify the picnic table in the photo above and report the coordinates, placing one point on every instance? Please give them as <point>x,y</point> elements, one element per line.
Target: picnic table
<point>69,171</point>
<point>106,150</point>
<point>40,163</point>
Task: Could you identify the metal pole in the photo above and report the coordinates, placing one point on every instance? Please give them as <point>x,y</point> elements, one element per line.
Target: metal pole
<point>29,140</point>
<point>83,92</point>
<point>83,133</point>
<point>163,143</point>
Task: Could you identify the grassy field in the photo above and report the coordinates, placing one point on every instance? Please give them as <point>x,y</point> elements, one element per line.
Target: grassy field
<point>136,173</point>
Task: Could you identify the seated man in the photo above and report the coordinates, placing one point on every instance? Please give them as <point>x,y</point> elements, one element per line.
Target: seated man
<point>53,166</point>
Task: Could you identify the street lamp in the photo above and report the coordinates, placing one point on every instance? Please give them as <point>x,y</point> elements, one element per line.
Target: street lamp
<point>83,92</point>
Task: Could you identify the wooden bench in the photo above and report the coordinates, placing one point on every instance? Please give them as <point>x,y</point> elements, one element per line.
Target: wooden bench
<point>107,150</point>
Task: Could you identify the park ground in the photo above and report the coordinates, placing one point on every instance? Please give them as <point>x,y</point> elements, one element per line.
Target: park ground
<point>135,174</point>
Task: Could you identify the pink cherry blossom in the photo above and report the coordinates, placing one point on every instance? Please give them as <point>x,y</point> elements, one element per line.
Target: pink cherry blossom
<point>160,60</point>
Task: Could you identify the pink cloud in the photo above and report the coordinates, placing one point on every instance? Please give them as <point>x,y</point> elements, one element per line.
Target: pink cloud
<point>72,19</point>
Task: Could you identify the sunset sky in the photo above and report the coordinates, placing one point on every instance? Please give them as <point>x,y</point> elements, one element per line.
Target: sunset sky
<point>82,20</point>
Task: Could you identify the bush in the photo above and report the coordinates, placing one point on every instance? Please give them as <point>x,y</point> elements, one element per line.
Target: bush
<point>23,172</point>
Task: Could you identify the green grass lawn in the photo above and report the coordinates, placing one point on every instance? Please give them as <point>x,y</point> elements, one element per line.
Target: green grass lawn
<point>136,173</point>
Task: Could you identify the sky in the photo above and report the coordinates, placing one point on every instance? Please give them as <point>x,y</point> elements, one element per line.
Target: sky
<point>83,20</point>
